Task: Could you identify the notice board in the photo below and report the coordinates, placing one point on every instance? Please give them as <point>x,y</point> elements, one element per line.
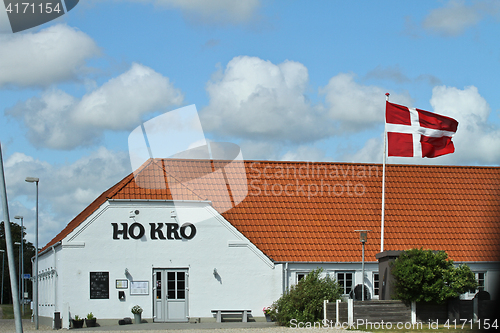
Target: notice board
<point>99,285</point>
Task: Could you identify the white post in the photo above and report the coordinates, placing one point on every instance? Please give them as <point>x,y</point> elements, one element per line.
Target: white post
<point>350,312</point>
<point>325,302</point>
<point>475,307</point>
<point>413,312</point>
<point>383,186</point>
<point>337,310</point>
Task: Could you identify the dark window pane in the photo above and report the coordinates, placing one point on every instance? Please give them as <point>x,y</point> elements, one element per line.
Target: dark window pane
<point>181,294</point>
<point>171,285</point>
<point>171,294</point>
<point>181,285</point>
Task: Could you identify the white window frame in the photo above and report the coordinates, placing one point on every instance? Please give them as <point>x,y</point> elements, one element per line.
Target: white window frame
<point>300,273</point>
<point>373,285</point>
<point>470,294</point>
<point>353,280</point>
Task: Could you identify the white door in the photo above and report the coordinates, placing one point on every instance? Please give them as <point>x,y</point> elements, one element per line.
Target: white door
<point>170,295</point>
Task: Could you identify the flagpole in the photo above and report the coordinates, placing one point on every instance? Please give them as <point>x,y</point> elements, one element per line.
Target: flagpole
<point>383,185</point>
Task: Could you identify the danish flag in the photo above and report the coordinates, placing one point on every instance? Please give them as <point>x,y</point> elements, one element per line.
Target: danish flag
<point>418,133</point>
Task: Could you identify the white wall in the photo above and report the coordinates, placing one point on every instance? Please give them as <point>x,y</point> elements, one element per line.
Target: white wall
<point>249,279</point>
<point>332,268</point>
<point>492,277</point>
<point>48,287</point>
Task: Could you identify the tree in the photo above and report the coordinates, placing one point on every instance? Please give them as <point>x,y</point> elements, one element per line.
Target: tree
<point>430,276</point>
<point>28,253</point>
<point>304,301</point>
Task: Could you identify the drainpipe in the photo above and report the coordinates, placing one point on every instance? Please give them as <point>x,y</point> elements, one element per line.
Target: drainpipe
<point>286,278</point>
<point>55,277</point>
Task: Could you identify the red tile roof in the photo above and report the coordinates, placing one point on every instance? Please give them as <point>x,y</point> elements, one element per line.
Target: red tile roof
<point>308,212</point>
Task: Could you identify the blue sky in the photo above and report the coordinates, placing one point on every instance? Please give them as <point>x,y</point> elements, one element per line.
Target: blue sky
<point>286,80</point>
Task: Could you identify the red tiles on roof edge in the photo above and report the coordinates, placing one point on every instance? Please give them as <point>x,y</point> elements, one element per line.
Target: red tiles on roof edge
<point>292,207</point>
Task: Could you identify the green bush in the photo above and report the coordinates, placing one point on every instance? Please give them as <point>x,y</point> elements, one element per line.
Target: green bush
<point>428,276</point>
<point>304,301</point>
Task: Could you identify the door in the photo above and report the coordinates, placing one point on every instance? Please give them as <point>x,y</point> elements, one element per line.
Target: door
<point>170,295</point>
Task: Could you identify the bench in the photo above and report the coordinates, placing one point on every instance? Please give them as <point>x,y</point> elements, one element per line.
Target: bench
<point>244,314</point>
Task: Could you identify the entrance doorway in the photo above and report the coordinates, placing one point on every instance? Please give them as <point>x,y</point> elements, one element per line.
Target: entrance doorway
<point>170,295</point>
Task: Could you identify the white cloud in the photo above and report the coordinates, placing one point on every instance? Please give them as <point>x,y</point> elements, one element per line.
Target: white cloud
<point>371,152</point>
<point>55,54</point>
<point>476,139</point>
<point>64,190</point>
<point>220,11</point>
<point>122,101</point>
<point>305,153</point>
<point>355,106</point>
<point>266,106</point>
<point>60,121</point>
<point>260,150</point>
<point>258,100</point>
<point>457,16</point>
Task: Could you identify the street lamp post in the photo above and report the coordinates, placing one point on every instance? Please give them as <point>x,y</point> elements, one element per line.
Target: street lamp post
<point>19,244</point>
<point>3,261</point>
<point>35,273</point>
<point>363,237</point>
<point>18,217</point>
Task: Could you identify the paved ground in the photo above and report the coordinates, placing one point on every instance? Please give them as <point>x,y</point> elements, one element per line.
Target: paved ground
<point>8,326</point>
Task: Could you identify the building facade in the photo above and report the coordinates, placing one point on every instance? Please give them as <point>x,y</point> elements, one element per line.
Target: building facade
<point>180,259</point>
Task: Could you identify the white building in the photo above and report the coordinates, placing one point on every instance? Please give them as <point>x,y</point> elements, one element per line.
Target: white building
<point>179,260</point>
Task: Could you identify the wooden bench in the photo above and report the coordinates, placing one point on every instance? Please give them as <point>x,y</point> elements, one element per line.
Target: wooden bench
<point>244,314</point>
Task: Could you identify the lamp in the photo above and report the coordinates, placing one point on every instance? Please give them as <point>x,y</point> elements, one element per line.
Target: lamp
<point>35,273</point>
<point>363,238</point>
<point>19,243</point>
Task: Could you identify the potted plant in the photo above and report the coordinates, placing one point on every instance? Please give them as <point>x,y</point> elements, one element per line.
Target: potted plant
<point>77,322</point>
<point>137,310</point>
<point>267,313</point>
<point>90,321</point>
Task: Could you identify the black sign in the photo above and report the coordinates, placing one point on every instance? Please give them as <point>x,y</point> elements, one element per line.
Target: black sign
<point>157,231</point>
<point>99,285</point>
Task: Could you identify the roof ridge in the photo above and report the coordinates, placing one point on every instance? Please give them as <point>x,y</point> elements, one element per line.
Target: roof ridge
<point>378,164</point>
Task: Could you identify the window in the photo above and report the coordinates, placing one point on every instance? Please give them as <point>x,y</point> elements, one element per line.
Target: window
<point>480,278</point>
<point>375,284</point>
<point>480,281</point>
<point>300,276</point>
<point>346,281</point>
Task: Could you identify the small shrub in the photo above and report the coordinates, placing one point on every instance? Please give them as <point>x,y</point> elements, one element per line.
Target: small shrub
<point>136,309</point>
<point>304,301</point>
<point>428,276</point>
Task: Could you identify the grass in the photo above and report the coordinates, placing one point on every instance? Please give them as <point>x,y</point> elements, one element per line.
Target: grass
<point>8,311</point>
